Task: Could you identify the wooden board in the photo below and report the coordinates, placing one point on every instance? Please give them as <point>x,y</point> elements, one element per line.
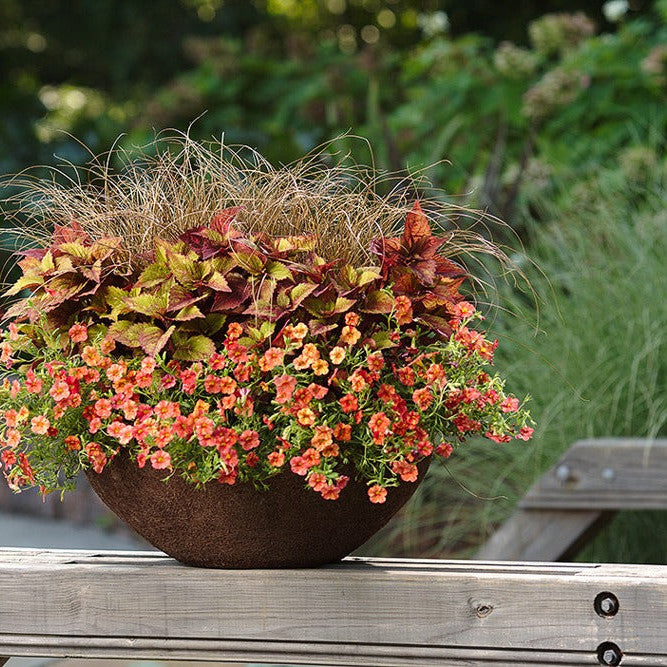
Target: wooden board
<point>543,535</point>
<point>359,612</point>
<point>605,474</point>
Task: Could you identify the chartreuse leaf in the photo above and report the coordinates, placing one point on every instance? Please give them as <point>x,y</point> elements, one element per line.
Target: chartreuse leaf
<point>251,262</point>
<point>216,281</point>
<point>47,263</point>
<point>121,331</point>
<point>153,275</point>
<point>151,305</point>
<point>193,348</point>
<point>278,270</point>
<point>151,338</point>
<point>299,292</point>
<point>190,312</point>
<point>75,249</point>
<point>367,275</point>
<point>24,282</point>
<point>382,340</point>
<point>379,302</point>
<point>185,268</point>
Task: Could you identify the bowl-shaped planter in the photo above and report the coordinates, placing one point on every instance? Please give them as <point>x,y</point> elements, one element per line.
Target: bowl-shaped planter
<point>240,527</point>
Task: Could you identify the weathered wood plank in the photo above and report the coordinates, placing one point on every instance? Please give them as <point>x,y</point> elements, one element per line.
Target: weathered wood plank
<point>543,535</point>
<point>359,612</point>
<point>605,474</point>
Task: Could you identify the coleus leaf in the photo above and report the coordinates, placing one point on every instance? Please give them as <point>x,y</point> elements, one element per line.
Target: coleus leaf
<point>153,274</point>
<point>300,292</point>
<point>193,348</point>
<point>188,313</point>
<point>152,339</point>
<point>72,232</point>
<point>151,305</point>
<point>217,282</point>
<point>378,302</point>
<point>278,270</point>
<point>222,220</point>
<point>76,249</point>
<point>416,225</point>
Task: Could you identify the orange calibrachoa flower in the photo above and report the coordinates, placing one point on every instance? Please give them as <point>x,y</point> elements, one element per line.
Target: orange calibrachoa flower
<point>262,358</point>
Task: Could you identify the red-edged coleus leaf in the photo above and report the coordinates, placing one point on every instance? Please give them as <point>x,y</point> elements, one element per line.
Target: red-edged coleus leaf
<point>377,302</point>
<point>72,232</point>
<point>222,220</point>
<point>417,250</point>
<point>239,293</point>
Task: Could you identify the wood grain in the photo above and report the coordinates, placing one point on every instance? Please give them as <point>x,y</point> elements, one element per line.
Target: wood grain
<point>543,535</point>
<point>605,474</point>
<point>359,612</point>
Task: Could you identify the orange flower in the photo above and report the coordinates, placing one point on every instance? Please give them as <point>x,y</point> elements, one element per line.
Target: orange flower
<point>510,404</point>
<point>350,335</point>
<point>330,450</point>
<point>379,424</point>
<point>305,417</point>
<point>59,391</point>
<point>115,372</point>
<point>160,459</point>
<point>422,398</point>
<point>102,408</point>
<point>276,459</point>
<point>107,345</point>
<point>464,309</point>
<point>39,425</point>
<point>317,481</point>
<point>352,319</point>
<point>330,492</point>
<point>227,385</point>
<point>337,355</point>
<point>349,403</point>
<point>408,472</point>
<point>323,437</point>
<point>78,333</point>
<point>234,330</point>
<point>377,494</point>
<point>249,440</point>
<point>285,385</point>
<point>12,437</point>
<point>32,383</point>
<point>163,437</point>
<point>444,449</point>
<point>272,357</point>
<point>403,308</point>
<point>320,367</point>
<point>342,432</point>
<point>357,382</point>
<point>375,361</point>
<point>73,443</point>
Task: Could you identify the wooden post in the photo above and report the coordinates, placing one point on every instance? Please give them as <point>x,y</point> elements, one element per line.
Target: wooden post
<point>383,612</point>
<point>573,500</point>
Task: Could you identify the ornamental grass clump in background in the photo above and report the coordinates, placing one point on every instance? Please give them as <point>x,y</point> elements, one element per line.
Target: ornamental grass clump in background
<point>224,321</point>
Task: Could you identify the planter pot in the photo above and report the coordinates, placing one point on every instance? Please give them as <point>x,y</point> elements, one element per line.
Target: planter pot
<point>239,527</point>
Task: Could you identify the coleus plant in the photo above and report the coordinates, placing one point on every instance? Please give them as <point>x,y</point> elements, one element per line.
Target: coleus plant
<point>234,356</point>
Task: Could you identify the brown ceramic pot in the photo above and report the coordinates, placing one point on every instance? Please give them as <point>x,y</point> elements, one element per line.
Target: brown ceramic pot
<point>239,527</point>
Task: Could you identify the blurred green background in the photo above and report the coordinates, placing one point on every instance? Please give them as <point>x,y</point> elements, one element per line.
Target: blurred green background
<point>548,114</point>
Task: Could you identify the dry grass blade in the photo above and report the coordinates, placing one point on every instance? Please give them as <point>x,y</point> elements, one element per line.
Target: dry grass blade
<point>175,184</point>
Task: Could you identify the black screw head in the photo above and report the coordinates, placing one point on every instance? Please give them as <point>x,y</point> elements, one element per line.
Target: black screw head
<point>609,654</point>
<point>606,604</point>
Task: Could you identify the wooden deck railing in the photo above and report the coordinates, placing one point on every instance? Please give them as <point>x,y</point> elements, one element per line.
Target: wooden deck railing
<point>138,605</point>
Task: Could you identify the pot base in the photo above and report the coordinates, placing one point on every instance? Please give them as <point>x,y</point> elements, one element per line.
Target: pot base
<point>237,526</point>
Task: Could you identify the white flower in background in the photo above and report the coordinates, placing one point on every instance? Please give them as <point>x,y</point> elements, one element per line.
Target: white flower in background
<point>433,24</point>
<point>615,10</point>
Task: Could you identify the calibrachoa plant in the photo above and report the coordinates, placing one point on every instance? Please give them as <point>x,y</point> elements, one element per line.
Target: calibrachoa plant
<point>233,357</point>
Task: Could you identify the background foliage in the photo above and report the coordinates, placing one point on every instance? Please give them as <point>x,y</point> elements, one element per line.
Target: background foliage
<point>554,122</point>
